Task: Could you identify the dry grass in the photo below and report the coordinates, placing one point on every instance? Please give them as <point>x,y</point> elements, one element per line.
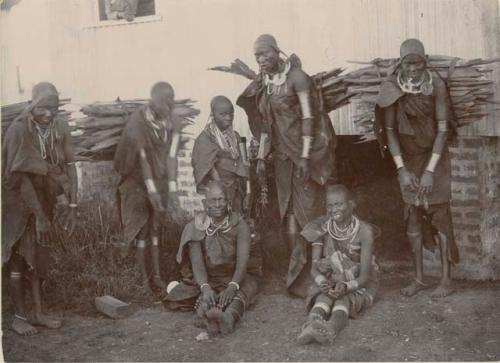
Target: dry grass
<point>94,262</point>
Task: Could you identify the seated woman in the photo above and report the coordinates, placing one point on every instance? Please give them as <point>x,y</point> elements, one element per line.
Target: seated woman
<point>343,268</point>
<point>224,268</point>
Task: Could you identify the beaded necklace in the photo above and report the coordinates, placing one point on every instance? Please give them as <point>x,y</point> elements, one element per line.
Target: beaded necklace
<point>343,234</point>
<point>213,228</point>
<point>46,139</point>
<point>156,126</point>
<point>424,85</point>
<point>275,84</point>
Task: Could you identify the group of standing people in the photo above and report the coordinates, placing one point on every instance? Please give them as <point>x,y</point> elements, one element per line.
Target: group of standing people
<point>331,261</point>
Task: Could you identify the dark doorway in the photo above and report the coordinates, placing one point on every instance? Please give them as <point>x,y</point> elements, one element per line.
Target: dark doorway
<point>372,178</point>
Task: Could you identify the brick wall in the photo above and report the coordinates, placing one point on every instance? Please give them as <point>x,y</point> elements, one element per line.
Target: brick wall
<point>475,207</point>
<point>98,186</point>
<point>475,202</point>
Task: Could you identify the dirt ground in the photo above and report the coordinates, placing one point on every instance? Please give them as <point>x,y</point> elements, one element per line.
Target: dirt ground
<point>462,327</point>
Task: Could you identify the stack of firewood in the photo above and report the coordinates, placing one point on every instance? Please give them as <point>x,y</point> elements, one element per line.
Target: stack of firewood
<point>470,91</point>
<point>330,85</point>
<point>97,133</point>
<point>10,112</point>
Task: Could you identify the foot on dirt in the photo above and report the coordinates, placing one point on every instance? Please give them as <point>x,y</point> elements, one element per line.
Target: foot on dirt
<point>443,289</point>
<point>323,332</point>
<point>47,321</point>
<point>226,323</point>
<point>306,336</point>
<point>159,283</point>
<point>214,313</point>
<point>199,322</point>
<point>412,289</point>
<point>23,327</point>
<point>213,317</point>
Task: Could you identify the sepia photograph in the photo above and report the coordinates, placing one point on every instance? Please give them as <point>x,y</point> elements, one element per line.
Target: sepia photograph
<point>250,181</point>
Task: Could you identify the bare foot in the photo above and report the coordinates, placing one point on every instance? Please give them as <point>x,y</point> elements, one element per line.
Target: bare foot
<point>213,316</point>
<point>324,332</point>
<point>443,289</point>
<point>47,321</point>
<point>226,322</point>
<point>23,327</point>
<point>413,288</point>
<point>316,329</point>
<point>306,336</point>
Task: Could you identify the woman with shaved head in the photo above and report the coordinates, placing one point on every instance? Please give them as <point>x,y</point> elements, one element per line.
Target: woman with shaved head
<point>38,172</point>
<point>146,159</point>
<point>226,269</point>
<point>284,113</point>
<point>414,112</point>
<point>217,156</point>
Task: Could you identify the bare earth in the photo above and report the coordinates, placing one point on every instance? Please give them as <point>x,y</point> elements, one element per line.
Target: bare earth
<point>464,326</point>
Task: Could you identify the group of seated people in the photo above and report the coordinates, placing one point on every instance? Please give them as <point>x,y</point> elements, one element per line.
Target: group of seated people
<point>344,274</point>
<point>295,138</point>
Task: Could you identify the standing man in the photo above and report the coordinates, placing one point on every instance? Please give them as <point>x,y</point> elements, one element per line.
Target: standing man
<point>413,108</point>
<point>217,155</point>
<point>284,113</point>
<point>38,172</point>
<point>146,159</point>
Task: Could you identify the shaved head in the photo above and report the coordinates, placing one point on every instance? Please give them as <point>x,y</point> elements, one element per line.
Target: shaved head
<point>162,88</point>
<point>162,99</point>
<point>218,101</point>
<point>222,111</point>
<point>339,189</point>
<point>215,203</point>
<point>215,187</point>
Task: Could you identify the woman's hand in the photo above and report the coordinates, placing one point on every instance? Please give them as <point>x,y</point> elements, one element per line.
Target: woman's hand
<point>156,202</point>
<point>339,291</point>
<point>42,225</point>
<point>303,168</point>
<point>407,179</point>
<point>209,297</point>
<point>426,184</point>
<point>227,296</point>
<point>323,266</point>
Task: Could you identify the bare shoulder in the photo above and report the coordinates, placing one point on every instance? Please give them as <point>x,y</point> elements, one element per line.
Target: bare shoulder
<point>243,226</point>
<point>437,80</point>
<point>367,232</point>
<point>438,83</point>
<point>299,78</point>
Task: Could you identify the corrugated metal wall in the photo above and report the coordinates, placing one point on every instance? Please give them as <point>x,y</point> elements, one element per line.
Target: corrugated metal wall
<point>462,28</point>
<point>102,62</point>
